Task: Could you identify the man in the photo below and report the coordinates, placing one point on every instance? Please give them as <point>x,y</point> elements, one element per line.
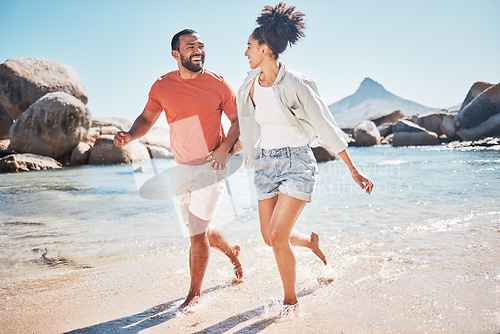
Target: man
<point>193,100</point>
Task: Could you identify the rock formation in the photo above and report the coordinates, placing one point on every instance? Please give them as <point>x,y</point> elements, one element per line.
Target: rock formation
<point>104,152</point>
<point>476,89</point>
<point>24,80</point>
<point>407,133</point>
<point>481,117</point>
<point>366,134</point>
<point>51,126</point>
<point>5,123</point>
<point>27,162</point>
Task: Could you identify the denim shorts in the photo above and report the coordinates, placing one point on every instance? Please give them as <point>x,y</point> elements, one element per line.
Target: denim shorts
<point>290,170</point>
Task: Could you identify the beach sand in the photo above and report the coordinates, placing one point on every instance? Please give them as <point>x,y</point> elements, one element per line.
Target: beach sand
<point>451,284</point>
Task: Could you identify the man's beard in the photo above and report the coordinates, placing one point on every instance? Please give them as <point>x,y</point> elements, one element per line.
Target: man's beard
<point>187,64</point>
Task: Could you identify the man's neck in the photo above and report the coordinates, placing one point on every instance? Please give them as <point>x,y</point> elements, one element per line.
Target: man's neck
<point>187,74</point>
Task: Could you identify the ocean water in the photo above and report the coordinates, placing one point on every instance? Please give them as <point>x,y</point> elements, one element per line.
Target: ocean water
<point>94,216</point>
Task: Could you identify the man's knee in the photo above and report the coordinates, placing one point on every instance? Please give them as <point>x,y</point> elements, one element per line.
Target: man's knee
<point>214,233</point>
<point>197,226</point>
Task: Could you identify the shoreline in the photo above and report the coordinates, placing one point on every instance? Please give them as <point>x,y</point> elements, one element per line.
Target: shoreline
<point>447,286</point>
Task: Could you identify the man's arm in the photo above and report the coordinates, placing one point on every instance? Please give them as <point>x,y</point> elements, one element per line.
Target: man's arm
<point>141,126</point>
<point>220,155</point>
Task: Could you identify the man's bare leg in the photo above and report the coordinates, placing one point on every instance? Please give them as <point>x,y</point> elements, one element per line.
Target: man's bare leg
<point>199,254</point>
<point>218,241</point>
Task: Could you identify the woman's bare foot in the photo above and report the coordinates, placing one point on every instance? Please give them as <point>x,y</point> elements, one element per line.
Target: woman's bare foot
<point>234,257</point>
<point>315,247</point>
<point>191,301</point>
<point>288,310</point>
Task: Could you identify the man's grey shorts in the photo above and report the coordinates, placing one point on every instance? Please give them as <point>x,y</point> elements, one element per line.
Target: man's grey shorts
<point>290,170</point>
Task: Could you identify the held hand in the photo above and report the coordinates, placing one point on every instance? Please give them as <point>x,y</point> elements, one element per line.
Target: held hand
<point>122,139</point>
<point>362,180</point>
<point>218,160</point>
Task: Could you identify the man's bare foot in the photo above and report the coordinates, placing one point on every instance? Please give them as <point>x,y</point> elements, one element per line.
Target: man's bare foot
<point>234,257</point>
<point>315,247</point>
<point>190,302</point>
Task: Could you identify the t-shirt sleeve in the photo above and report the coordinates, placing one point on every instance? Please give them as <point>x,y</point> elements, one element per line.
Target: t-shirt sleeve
<point>153,103</point>
<point>228,99</point>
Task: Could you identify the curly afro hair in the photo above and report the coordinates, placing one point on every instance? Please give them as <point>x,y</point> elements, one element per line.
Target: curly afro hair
<point>279,26</point>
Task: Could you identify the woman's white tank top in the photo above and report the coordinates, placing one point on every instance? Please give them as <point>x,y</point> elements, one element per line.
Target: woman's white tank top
<point>276,130</point>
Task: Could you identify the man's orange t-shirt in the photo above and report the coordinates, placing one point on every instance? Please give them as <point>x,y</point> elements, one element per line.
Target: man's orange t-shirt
<point>194,109</point>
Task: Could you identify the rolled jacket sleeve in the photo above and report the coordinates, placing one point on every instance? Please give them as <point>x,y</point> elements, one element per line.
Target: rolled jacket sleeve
<point>320,117</point>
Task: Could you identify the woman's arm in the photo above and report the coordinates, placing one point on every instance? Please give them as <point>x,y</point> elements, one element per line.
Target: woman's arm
<point>358,177</point>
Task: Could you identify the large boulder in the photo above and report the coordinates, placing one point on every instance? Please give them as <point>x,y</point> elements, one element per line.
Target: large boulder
<point>5,123</point>
<point>431,121</point>
<point>158,136</point>
<point>92,136</point>
<point>51,126</point>
<point>157,140</point>
<point>391,117</point>
<point>385,129</point>
<point>481,117</point>
<point>106,126</point>
<point>4,148</point>
<point>366,134</point>
<point>322,154</point>
<point>407,133</point>
<point>27,162</point>
<point>476,89</point>
<point>121,123</point>
<point>80,154</point>
<point>23,81</point>
<point>105,152</point>
<point>448,127</point>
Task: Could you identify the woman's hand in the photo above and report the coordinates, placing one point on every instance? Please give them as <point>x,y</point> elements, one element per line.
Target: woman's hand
<point>218,160</point>
<point>362,180</point>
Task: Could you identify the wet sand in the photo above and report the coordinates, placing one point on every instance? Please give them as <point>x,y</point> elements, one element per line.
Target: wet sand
<point>450,284</point>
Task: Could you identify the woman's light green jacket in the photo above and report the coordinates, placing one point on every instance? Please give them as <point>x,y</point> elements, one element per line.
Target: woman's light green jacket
<point>299,99</point>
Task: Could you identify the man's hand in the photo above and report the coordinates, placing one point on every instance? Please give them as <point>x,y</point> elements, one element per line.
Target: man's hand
<point>122,139</point>
<point>218,160</point>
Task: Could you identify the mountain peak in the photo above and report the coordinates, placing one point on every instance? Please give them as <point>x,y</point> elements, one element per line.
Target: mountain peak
<point>369,100</point>
<point>371,88</point>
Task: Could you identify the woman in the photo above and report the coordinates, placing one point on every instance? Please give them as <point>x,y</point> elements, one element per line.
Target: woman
<point>280,112</point>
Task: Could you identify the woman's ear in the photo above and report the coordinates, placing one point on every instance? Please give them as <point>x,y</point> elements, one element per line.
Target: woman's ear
<point>265,49</point>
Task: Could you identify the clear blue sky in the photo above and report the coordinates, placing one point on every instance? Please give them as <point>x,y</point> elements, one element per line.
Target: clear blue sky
<point>427,51</point>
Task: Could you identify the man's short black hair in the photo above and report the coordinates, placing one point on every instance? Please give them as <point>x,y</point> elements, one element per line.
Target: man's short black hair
<point>175,39</point>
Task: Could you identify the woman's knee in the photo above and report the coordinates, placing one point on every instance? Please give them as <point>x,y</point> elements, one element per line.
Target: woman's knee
<point>266,239</point>
<point>277,238</point>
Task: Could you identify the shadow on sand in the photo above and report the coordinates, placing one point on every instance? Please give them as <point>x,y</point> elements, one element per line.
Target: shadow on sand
<point>164,312</point>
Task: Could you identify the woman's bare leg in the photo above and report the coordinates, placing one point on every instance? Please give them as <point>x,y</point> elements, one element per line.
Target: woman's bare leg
<point>286,211</point>
<point>266,208</point>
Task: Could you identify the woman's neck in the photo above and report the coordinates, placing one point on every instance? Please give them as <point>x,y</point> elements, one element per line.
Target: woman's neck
<point>270,70</point>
